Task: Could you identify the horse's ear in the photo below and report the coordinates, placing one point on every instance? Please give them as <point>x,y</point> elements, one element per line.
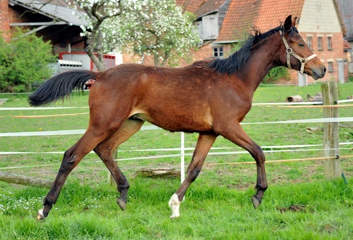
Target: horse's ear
<point>288,23</point>
<point>294,22</point>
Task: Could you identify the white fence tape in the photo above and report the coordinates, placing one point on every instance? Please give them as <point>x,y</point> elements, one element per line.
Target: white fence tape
<point>82,131</point>
<point>316,120</point>
<point>59,132</point>
<point>34,108</point>
<point>254,104</point>
<point>290,147</point>
<point>162,156</point>
<point>298,103</point>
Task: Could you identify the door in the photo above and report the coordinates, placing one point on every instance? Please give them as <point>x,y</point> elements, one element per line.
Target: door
<point>340,67</point>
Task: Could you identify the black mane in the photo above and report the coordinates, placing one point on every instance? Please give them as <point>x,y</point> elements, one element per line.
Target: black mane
<point>235,61</point>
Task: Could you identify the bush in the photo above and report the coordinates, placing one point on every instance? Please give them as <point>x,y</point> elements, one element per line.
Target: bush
<point>24,61</point>
<point>275,74</point>
<point>350,78</point>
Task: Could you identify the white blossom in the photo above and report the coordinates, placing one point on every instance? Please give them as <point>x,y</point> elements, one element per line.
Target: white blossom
<point>145,27</point>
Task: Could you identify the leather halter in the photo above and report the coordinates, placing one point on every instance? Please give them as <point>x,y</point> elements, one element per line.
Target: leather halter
<point>290,52</point>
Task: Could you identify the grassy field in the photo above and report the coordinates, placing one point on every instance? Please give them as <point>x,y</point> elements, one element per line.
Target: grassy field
<point>218,204</point>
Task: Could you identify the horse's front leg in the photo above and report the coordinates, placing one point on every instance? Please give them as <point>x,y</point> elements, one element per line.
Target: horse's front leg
<point>203,146</point>
<point>236,134</point>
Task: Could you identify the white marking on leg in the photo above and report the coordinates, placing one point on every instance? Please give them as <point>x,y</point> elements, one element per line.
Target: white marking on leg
<point>40,215</point>
<point>174,204</point>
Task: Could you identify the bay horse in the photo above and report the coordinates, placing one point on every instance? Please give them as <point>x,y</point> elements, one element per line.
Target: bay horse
<point>210,97</point>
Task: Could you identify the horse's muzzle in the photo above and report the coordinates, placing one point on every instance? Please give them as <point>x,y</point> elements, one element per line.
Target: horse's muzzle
<point>319,72</point>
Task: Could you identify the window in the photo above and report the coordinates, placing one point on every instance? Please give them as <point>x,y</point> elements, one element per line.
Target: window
<point>218,52</point>
<point>329,43</point>
<point>330,66</point>
<point>319,43</point>
<point>310,42</point>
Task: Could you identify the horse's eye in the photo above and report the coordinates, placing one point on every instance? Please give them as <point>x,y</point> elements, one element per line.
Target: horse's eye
<point>301,44</point>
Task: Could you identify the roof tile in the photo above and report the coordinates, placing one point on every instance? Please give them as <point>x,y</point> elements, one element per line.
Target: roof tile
<point>243,15</point>
<point>209,6</point>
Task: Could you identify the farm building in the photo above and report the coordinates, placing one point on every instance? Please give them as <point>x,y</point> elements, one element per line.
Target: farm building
<point>319,22</point>
<point>53,21</point>
<point>346,9</point>
<point>222,26</point>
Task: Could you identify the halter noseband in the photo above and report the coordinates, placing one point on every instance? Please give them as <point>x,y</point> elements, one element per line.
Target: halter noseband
<point>290,51</point>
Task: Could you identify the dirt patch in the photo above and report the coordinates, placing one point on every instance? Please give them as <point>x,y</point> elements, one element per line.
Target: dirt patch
<point>293,208</point>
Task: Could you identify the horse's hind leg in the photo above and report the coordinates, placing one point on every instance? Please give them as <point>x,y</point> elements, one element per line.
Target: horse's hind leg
<point>236,134</point>
<point>203,146</point>
<point>71,159</point>
<point>105,151</point>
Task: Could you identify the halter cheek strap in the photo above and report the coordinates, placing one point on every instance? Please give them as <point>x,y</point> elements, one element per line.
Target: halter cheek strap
<point>290,52</point>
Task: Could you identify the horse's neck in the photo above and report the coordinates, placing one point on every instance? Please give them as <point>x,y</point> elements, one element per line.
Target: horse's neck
<point>261,60</point>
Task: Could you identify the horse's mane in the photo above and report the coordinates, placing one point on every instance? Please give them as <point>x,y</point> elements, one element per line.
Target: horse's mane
<point>235,61</point>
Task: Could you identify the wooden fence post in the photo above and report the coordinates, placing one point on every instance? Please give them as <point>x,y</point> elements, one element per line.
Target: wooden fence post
<point>111,180</point>
<point>332,167</point>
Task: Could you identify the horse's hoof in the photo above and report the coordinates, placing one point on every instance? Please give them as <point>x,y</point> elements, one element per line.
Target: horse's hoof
<point>174,204</point>
<point>121,204</point>
<point>174,216</point>
<point>40,215</point>
<point>255,201</point>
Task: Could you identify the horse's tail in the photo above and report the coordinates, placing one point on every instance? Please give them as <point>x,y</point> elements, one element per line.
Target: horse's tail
<point>61,86</point>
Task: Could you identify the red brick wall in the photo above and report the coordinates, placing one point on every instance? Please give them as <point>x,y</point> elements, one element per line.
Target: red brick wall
<point>4,18</point>
<point>325,54</point>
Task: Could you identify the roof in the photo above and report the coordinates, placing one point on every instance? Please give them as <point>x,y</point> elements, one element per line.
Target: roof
<point>244,15</point>
<point>209,6</point>
<point>58,11</point>
<point>190,5</point>
<point>346,10</point>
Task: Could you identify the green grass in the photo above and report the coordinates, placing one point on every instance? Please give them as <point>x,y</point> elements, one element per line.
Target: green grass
<point>208,212</point>
<point>217,205</point>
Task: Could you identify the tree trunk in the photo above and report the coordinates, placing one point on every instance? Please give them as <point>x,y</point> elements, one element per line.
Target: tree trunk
<point>25,180</point>
<point>156,60</point>
<point>100,65</point>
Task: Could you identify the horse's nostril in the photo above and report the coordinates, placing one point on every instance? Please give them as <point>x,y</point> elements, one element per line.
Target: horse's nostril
<point>324,70</point>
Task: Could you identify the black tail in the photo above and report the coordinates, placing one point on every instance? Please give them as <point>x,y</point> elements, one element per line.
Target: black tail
<point>60,86</point>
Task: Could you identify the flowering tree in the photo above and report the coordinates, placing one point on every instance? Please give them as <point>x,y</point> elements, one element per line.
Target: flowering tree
<point>145,27</point>
<point>98,14</point>
<point>157,28</point>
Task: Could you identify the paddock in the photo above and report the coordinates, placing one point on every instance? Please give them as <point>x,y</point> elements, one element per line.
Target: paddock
<point>219,199</point>
<point>166,151</point>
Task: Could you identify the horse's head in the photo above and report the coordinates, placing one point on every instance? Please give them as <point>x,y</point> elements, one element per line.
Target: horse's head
<point>296,54</point>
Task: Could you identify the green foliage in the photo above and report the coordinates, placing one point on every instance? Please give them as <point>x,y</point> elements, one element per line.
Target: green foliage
<point>350,78</point>
<point>157,28</point>
<point>24,61</point>
<point>275,74</point>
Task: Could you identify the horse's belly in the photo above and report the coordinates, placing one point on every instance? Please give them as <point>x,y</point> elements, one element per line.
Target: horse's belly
<point>176,122</point>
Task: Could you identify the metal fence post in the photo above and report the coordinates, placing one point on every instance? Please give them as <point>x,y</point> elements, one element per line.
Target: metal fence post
<point>182,158</point>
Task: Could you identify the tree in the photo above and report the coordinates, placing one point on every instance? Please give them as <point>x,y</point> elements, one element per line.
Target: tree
<point>275,74</point>
<point>146,27</point>
<point>158,28</point>
<point>24,61</point>
<point>98,14</point>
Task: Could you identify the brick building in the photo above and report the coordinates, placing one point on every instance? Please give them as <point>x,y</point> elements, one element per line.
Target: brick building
<point>346,9</point>
<point>52,20</point>
<point>319,22</point>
